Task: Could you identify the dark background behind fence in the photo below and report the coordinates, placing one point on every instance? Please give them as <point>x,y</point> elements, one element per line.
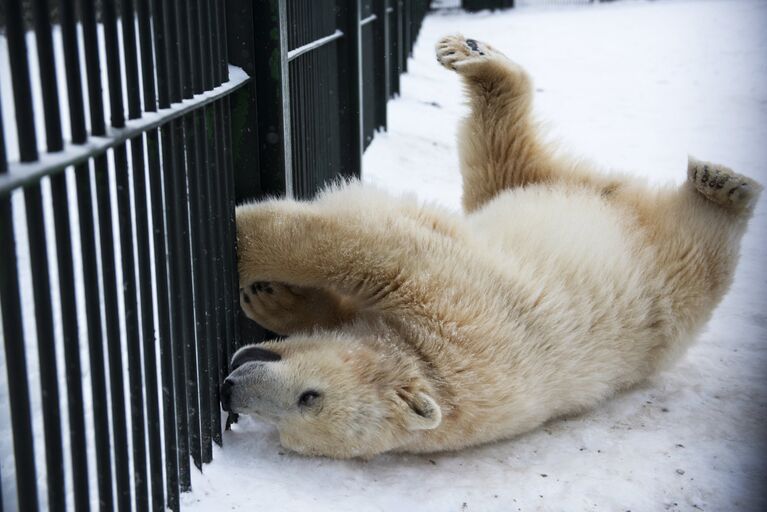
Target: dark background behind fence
<point>317,76</point>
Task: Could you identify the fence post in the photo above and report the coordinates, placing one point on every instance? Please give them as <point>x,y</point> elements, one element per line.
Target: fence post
<point>407,22</point>
<point>396,48</point>
<point>260,123</point>
<point>478,5</point>
<point>257,42</point>
<point>350,83</point>
<point>382,66</point>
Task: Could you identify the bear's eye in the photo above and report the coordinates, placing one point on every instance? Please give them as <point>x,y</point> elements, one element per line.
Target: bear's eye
<point>308,398</point>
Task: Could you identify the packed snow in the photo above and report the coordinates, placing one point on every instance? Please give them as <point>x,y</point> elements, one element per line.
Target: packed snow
<point>635,86</point>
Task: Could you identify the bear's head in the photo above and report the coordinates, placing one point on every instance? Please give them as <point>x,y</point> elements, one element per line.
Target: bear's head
<point>331,395</point>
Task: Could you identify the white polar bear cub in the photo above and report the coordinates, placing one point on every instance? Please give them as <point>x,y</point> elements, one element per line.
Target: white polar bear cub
<point>414,329</point>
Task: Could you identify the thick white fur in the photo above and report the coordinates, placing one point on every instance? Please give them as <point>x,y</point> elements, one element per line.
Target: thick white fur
<point>423,330</point>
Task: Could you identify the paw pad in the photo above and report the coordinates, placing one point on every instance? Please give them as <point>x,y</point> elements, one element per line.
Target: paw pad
<point>474,46</point>
<point>723,186</point>
<point>453,51</point>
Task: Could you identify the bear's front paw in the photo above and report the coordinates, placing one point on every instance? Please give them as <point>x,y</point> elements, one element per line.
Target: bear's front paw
<point>269,304</point>
<point>455,52</point>
<point>286,309</point>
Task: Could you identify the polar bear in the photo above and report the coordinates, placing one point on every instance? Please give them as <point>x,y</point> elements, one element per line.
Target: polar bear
<point>414,329</point>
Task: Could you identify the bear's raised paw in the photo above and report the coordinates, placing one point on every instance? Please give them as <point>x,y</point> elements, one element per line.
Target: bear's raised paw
<point>722,185</point>
<point>455,52</point>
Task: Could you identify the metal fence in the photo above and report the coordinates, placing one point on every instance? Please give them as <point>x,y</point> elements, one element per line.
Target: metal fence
<point>323,71</point>
<point>118,276</point>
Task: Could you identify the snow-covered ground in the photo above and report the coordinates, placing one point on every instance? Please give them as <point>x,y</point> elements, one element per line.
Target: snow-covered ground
<point>634,85</point>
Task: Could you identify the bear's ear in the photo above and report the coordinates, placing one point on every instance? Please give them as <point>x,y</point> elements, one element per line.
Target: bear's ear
<point>420,410</point>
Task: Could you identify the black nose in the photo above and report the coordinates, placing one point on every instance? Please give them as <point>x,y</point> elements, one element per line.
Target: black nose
<point>252,354</point>
<point>226,394</point>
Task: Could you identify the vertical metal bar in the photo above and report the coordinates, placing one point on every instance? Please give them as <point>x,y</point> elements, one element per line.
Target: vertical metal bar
<point>325,95</point>
<point>222,283</point>
<point>43,34</point>
<point>46,347</point>
<point>147,58</point>
<point>159,27</point>
<point>232,342</point>
<point>93,67</point>
<point>172,41</point>
<point>215,41</point>
<point>410,23</point>
<point>161,261</point>
<point>66,290</point>
<point>297,125</point>
<point>399,43</point>
<point>318,98</point>
<point>230,250</point>
<point>129,54</point>
<point>208,268</point>
<point>147,323</point>
<point>197,156</point>
<point>241,46</point>
<point>173,164</point>
<point>66,265</point>
<point>314,101</point>
<point>112,48</point>
<point>90,273</point>
<point>381,52</point>
<point>303,92</point>
<point>206,50</point>
<point>144,258</point>
<point>45,343</point>
<point>15,352</point>
<point>72,71</point>
<point>132,329</point>
<point>333,108</point>
<point>119,427</point>
<point>129,289</point>
<point>17,53</point>
<point>312,97</point>
<point>186,157</point>
<point>222,41</point>
<point>350,84</point>
<point>114,350</point>
<point>161,223</point>
<point>406,22</point>
<point>181,320</point>
<point>199,265</point>
<point>95,338</point>
<point>273,100</point>
<point>195,42</point>
<point>182,21</point>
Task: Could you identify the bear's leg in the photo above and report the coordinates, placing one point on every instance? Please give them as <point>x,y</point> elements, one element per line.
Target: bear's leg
<point>333,247</point>
<point>287,309</point>
<point>695,231</point>
<point>498,143</point>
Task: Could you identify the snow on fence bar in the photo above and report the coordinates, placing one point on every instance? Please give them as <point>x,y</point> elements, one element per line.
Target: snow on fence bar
<point>118,285</point>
